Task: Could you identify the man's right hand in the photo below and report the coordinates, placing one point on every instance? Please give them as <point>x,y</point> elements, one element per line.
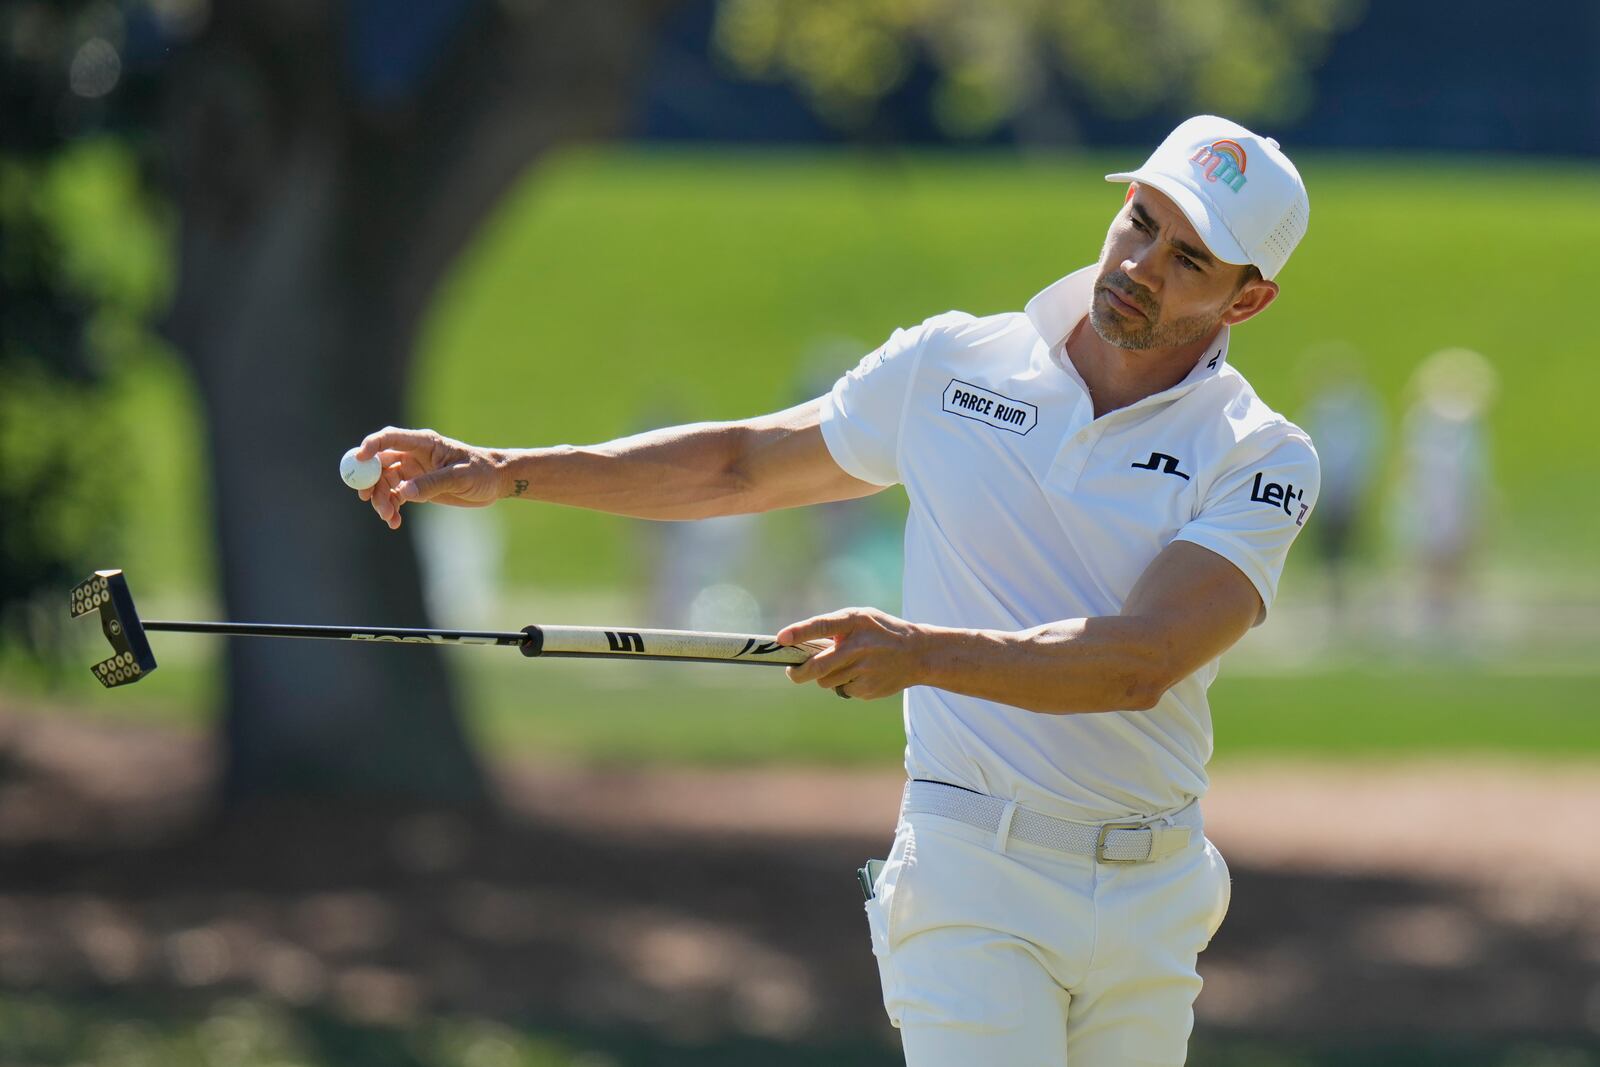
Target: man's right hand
<point>424,466</point>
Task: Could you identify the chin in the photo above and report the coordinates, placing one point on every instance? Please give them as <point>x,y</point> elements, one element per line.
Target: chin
<point>1113,331</point>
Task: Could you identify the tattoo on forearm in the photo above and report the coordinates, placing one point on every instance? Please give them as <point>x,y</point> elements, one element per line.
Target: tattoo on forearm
<point>519,487</point>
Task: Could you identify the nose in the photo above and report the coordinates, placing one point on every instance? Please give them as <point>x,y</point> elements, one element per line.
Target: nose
<point>1139,265</point>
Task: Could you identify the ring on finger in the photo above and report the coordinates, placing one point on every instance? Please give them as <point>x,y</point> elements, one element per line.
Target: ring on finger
<point>839,691</point>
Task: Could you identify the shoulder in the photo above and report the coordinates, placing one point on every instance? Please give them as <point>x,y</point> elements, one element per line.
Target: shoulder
<point>958,327</point>
<point>952,340</point>
<point>1249,426</point>
<point>956,336</point>
<point>1246,437</point>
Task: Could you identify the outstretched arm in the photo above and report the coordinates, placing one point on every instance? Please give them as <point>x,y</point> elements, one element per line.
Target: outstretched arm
<point>683,472</point>
<point>1188,607</point>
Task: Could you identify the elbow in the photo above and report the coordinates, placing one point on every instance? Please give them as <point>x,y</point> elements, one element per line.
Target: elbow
<point>716,479</point>
<point>1146,685</point>
<point>1143,695</point>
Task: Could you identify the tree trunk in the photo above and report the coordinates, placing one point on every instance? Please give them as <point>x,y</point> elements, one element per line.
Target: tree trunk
<point>314,227</point>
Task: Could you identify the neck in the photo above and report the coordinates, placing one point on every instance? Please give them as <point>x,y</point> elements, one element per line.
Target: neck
<point>1117,377</point>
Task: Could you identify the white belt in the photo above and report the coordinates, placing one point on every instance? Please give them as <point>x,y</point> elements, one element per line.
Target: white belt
<point>1113,842</point>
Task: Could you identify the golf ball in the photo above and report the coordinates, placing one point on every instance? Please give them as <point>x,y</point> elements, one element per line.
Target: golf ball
<point>359,473</point>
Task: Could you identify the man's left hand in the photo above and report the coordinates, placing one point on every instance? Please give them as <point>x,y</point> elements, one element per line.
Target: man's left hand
<point>874,654</point>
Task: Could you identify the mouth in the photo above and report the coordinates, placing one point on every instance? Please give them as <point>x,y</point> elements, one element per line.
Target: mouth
<point>1122,304</point>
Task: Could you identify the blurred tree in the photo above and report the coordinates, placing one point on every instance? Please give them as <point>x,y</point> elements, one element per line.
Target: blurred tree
<point>326,163</point>
<point>1010,60</point>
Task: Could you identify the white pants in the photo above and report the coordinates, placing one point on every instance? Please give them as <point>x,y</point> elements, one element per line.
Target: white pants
<point>1027,956</point>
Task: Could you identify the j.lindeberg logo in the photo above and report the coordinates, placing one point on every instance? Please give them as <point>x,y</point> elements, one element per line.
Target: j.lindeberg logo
<point>974,402</point>
<point>1160,461</point>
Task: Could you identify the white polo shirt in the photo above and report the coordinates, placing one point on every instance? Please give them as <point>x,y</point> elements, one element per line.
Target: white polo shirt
<point>1026,509</point>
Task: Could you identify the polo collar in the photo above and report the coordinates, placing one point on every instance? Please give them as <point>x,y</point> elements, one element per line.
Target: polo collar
<point>1060,306</point>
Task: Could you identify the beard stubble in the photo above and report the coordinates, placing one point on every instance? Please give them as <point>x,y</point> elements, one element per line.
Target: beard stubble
<point>1149,332</point>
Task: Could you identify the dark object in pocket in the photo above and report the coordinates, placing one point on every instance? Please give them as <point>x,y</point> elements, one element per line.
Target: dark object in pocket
<point>868,877</point>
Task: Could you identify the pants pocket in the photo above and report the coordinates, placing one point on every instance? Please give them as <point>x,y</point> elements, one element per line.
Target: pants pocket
<point>1224,880</point>
<point>877,923</point>
<point>881,914</point>
<point>886,889</point>
<point>877,926</point>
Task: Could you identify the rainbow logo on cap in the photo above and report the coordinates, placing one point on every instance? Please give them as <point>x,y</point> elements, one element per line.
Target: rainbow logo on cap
<point>1222,161</point>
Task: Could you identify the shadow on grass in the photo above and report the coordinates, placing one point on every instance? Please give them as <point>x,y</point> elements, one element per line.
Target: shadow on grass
<point>337,935</point>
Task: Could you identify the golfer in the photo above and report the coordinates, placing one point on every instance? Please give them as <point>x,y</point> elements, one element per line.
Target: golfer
<point>1100,506</point>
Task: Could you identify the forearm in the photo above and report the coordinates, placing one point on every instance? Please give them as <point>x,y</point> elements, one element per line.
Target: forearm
<point>1188,607</point>
<point>1076,665</point>
<point>683,472</point>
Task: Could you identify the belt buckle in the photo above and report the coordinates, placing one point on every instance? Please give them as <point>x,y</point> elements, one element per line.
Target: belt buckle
<point>1105,831</point>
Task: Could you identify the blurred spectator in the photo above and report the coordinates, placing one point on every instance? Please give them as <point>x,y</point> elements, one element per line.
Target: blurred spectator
<point>694,571</point>
<point>461,551</point>
<point>1345,420</point>
<point>1444,479</point>
<point>853,547</point>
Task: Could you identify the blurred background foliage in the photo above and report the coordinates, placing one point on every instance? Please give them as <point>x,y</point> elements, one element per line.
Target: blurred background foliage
<point>996,61</point>
<point>85,264</point>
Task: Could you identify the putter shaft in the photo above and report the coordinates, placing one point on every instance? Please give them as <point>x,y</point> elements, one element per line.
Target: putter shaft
<point>106,593</point>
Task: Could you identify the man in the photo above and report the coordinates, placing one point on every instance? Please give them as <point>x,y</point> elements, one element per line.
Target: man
<point>1100,507</point>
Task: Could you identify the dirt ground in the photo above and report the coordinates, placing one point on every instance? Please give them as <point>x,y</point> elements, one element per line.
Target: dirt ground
<point>1378,899</point>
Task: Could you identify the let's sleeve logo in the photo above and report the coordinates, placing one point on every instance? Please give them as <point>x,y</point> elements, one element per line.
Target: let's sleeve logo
<point>1284,496</point>
<point>972,402</point>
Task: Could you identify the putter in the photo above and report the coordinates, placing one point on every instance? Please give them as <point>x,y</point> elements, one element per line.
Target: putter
<point>131,659</point>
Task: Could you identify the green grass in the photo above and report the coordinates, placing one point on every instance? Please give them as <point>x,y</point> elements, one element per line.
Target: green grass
<point>612,288</point>
<point>1407,711</point>
<point>619,289</point>
<point>649,713</point>
<point>1385,713</point>
<point>115,1030</point>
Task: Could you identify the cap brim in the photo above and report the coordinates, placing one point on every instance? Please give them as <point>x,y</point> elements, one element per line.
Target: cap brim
<point>1211,231</point>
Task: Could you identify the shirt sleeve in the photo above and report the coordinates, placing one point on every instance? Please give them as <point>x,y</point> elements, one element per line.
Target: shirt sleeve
<point>1255,510</point>
<point>862,414</point>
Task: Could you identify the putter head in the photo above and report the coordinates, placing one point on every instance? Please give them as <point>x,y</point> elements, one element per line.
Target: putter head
<point>107,592</point>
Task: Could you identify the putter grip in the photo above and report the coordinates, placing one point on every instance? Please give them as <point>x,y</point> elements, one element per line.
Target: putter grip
<point>662,644</point>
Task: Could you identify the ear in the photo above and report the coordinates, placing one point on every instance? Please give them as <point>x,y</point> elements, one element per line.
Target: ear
<point>1133,187</point>
<point>1250,301</point>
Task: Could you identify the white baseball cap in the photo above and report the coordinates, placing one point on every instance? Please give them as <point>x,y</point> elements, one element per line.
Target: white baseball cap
<point>1237,188</point>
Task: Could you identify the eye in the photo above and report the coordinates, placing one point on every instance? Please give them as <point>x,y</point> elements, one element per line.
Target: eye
<point>1138,224</point>
<point>1188,264</point>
